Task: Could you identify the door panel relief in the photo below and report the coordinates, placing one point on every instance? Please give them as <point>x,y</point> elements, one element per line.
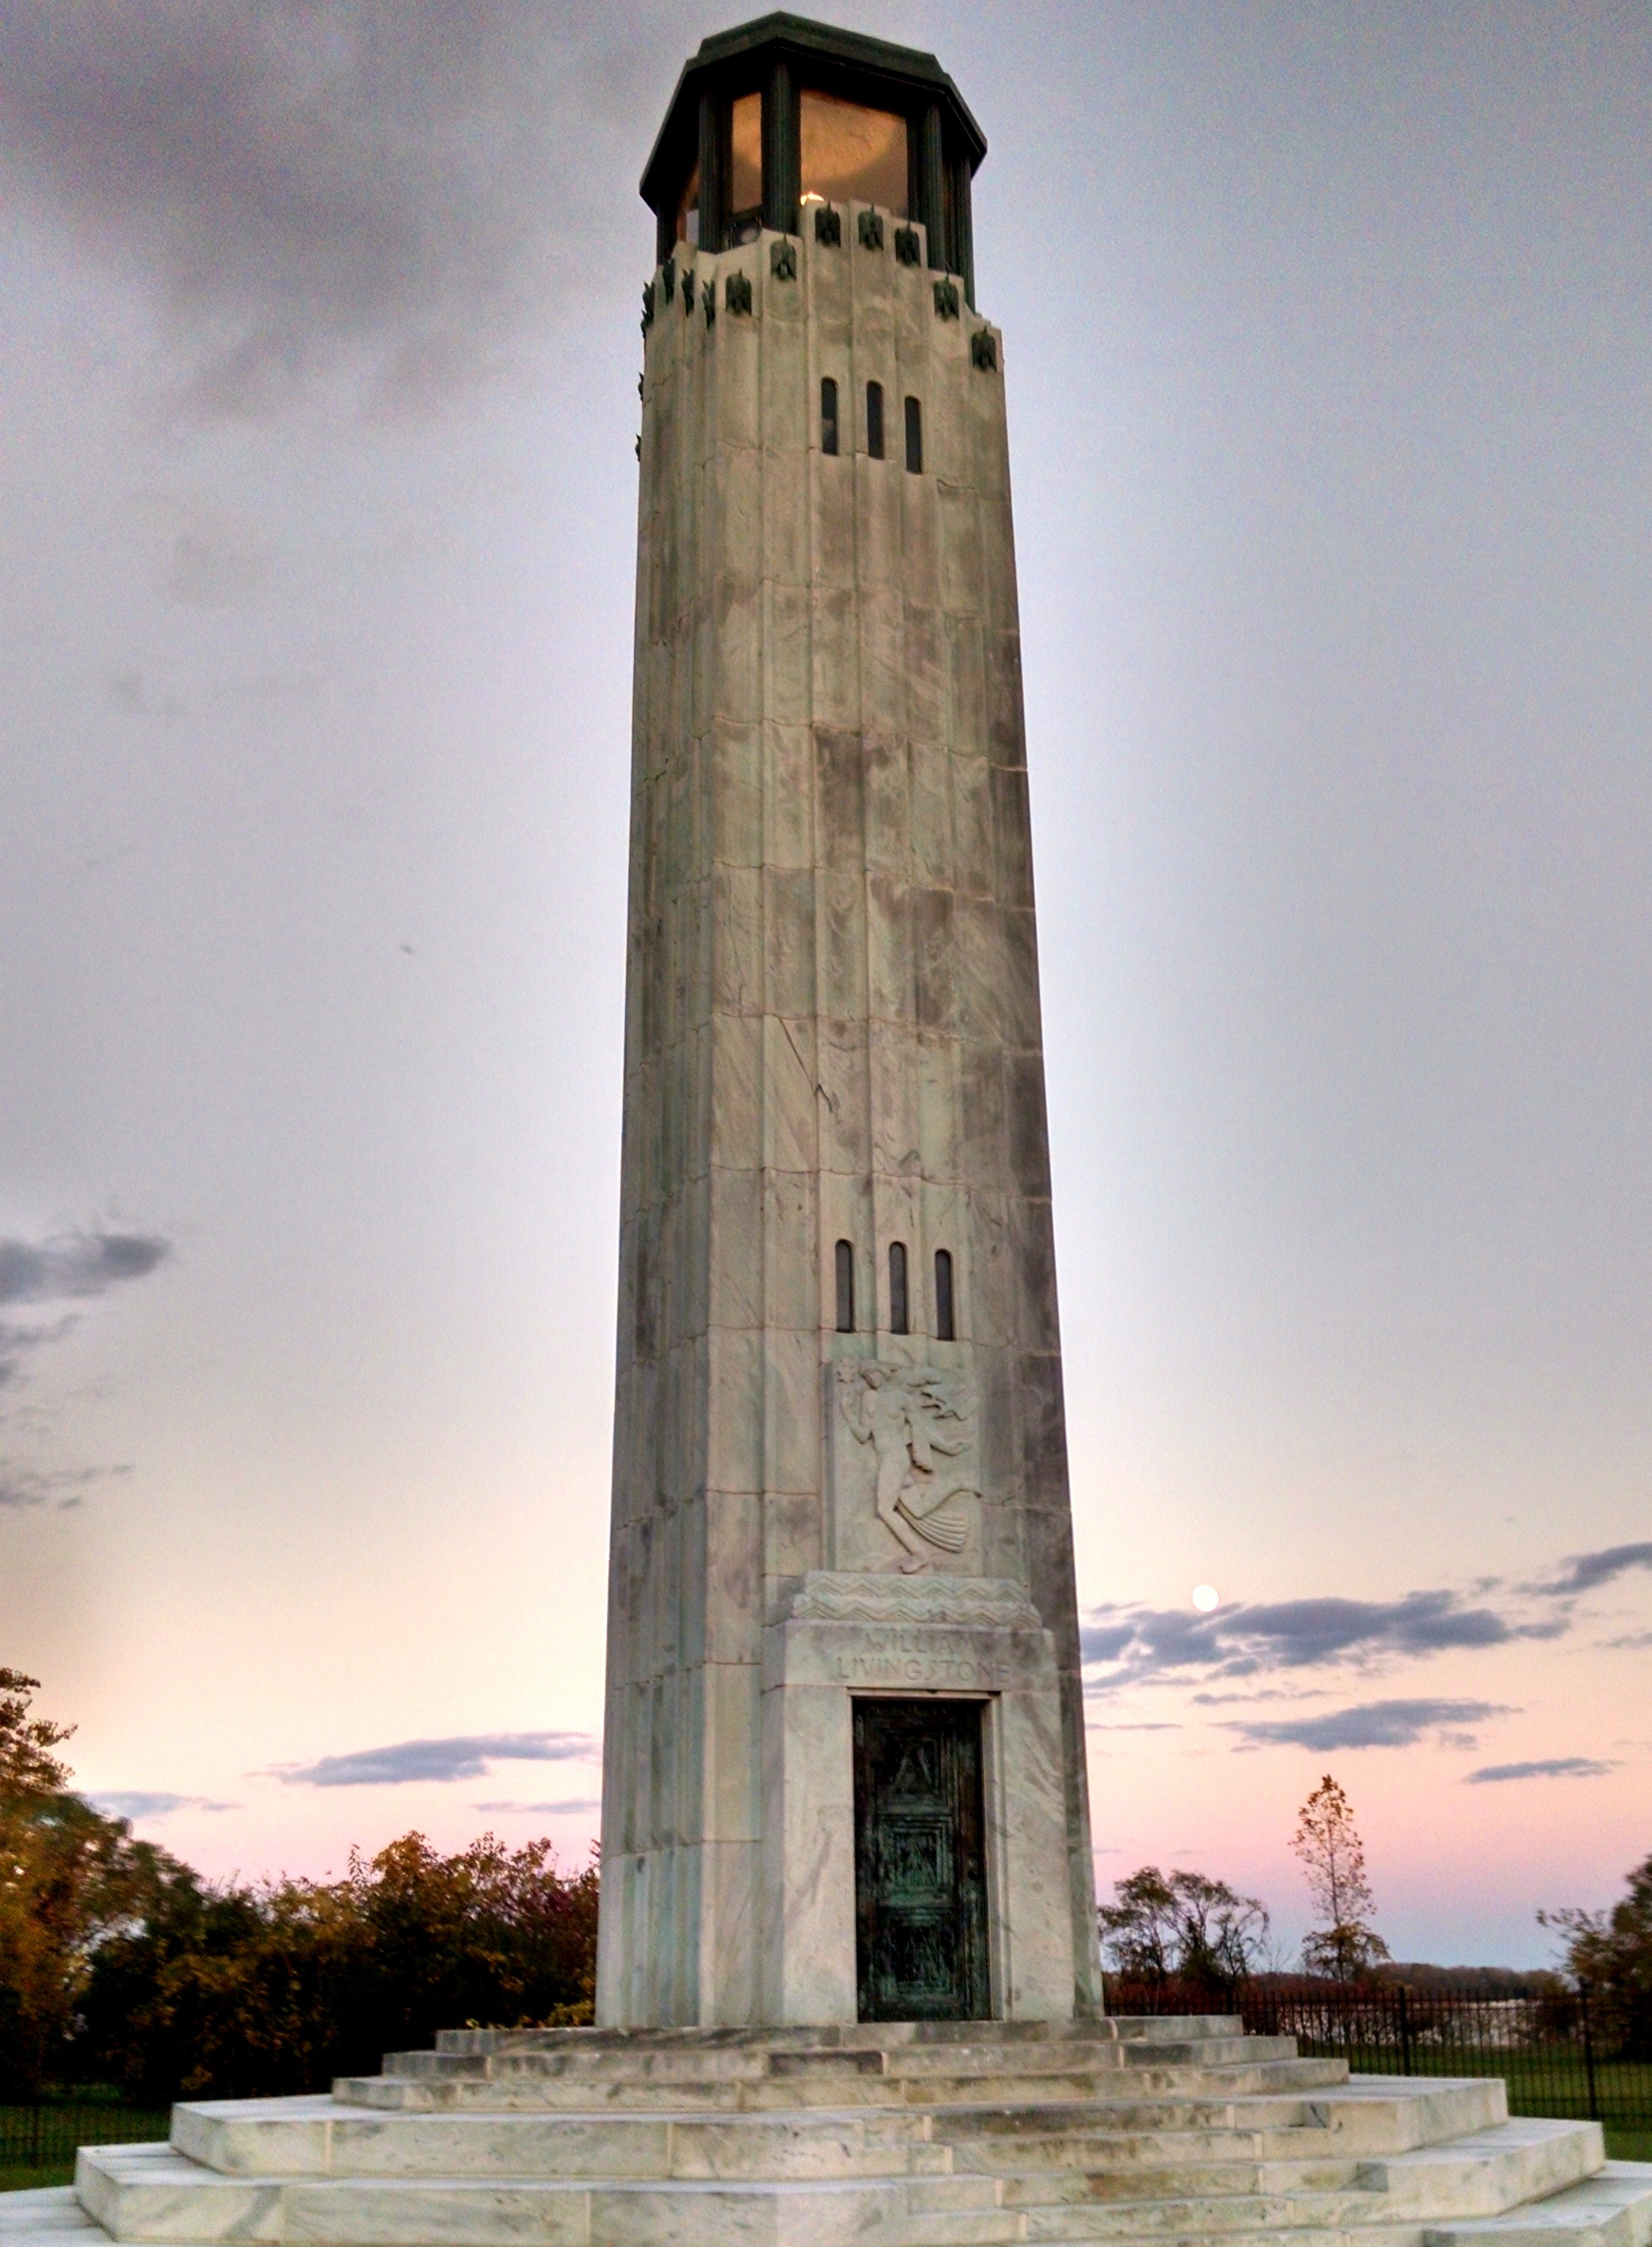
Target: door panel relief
<point>920,1861</point>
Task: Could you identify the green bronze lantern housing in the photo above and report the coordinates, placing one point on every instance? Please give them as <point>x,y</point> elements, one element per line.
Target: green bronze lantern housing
<point>781,114</point>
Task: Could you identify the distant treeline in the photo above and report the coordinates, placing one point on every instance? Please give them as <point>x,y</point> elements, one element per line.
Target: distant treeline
<point>1484,1981</point>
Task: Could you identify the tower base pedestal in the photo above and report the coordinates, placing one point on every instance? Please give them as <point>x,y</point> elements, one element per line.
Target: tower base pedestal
<point>955,2135</point>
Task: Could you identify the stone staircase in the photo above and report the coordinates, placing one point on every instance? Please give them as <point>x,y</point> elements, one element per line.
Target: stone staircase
<point>1153,2133</point>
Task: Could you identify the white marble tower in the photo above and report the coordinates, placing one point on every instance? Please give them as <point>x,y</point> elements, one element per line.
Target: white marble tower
<point>844,1707</point>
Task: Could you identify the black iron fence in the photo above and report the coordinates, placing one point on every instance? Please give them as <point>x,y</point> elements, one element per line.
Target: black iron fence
<point>1559,2054</point>
<point>47,2135</point>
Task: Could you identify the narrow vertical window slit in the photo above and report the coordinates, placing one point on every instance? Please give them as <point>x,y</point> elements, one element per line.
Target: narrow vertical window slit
<point>945,1326</point>
<point>828,415</point>
<point>845,1288</point>
<point>875,420</point>
<point>914,438</point>
<point>898,1323</point>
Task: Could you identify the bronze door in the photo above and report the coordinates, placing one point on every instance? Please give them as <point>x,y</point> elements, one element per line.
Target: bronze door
<point>920,1861</point>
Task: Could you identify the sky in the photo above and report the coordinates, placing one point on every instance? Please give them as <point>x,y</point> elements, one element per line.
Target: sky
<point>1329,354</point>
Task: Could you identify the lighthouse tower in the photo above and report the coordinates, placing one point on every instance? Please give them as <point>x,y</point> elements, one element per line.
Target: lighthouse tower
<point>843,1772</point>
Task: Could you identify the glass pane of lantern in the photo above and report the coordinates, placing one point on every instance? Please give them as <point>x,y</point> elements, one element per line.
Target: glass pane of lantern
<point>746,174</point>
<point>852,154</point>
<point>688,209</point>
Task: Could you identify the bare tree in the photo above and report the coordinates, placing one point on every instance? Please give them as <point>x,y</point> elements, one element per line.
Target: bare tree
<point>1327,1843</point>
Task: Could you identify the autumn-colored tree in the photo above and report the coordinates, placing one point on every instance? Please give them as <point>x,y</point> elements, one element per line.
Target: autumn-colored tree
<point>120,1965</point>
<point>234,1991</point>
<point>1182,1926</point>
<point>1327,1843</point>
<point>68,1877</point>
<point>28,1767</point>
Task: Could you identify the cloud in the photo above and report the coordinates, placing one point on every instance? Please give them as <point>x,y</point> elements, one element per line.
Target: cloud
<point>135,1804</point>
<point>466,1757</point>
<point>68,1267</point>
<point>414,182</point>
<point>15,1342</point>
<point>1549,1767</point>
<point>568,1807</point>
<point>1370,1724</point>
<point>1585,1571</point>
<point>21,1485</point>
<point>73,1264</point>
<point>1240,1642</point>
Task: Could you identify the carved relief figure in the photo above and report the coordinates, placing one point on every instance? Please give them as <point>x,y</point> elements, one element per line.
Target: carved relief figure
<point>917,1426</point>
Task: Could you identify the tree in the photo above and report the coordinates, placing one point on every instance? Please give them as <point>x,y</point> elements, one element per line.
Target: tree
<point>229,1991</point>
<point>1139,1929</point>
<point>28,1768</point>
<point>1181,1926</point>
<point>1327,1842</point>
<point>68,1878</point>
<point>1224,1935</point>
<point>1609,1954</point>
<point>120,1965</point>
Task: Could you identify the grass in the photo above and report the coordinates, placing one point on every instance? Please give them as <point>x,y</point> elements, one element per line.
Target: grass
<point>1545,2083</point>
<point>38,2144</point>
<point>1551,2082</point>
<point>36,2180</point>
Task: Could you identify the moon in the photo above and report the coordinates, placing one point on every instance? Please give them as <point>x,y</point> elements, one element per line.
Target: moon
<point>1205,1596</point>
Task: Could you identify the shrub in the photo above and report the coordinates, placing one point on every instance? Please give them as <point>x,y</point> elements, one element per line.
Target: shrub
<point>229,1991</point>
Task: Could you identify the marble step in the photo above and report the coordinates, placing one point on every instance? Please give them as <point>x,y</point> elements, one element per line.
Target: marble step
<point>151,2194</point>
<point>852,2036</point>
<point>585,2090</point>
<point>1481,2176</point>
<point>319,2137</point>
<point>46,2218</point>
<point>322,2135</point>
<point>1217,2182</point>
<point>990,2057</point>
<point>1228,2216</point>
<point>316,2135</point>
<point>1122,2154</point>
<point>1611,2209</point>
<point>1486,2174</point>
<point>1376,2114</point>
<point>715,2062</point>
<point>1400,2234</point>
